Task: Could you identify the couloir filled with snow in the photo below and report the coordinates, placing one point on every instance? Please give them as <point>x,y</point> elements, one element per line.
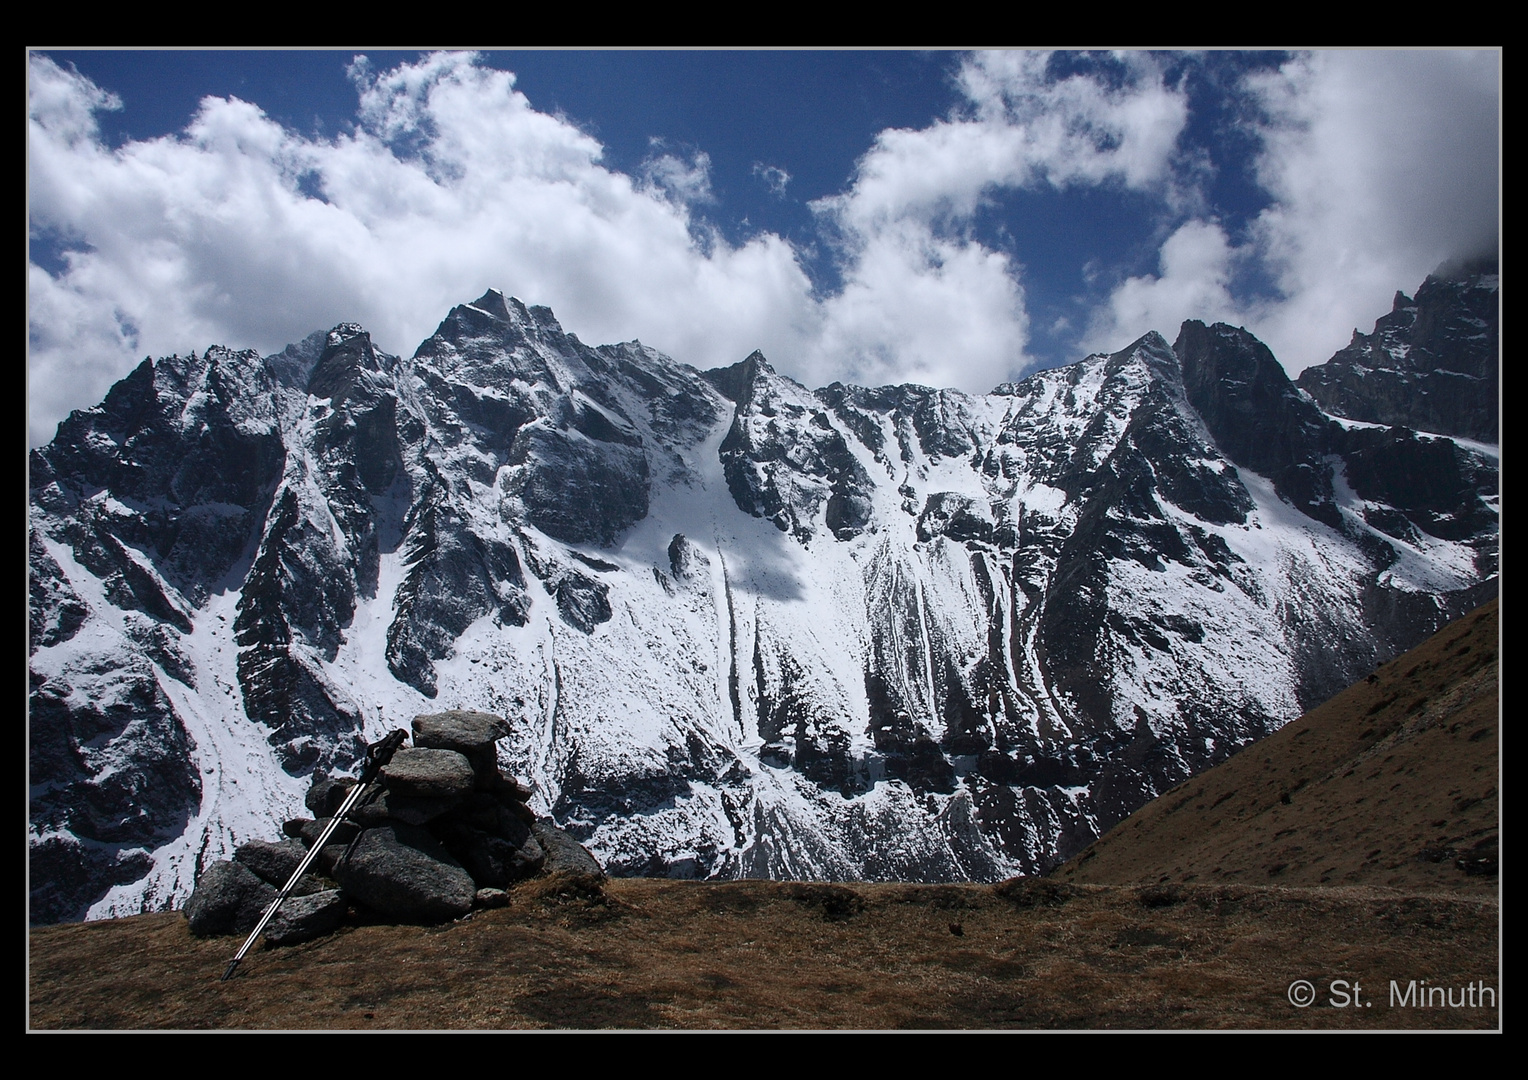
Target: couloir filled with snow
<point>739,628</point>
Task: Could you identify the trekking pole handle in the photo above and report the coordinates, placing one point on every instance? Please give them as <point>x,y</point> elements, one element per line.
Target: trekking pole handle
<point>378,754</point>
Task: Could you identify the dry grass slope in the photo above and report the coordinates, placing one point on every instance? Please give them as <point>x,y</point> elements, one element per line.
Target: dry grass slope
<point>1393,782</point>
<point>780,955</point>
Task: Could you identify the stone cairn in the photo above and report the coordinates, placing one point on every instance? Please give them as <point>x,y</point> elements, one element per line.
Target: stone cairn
<point>448,833</point>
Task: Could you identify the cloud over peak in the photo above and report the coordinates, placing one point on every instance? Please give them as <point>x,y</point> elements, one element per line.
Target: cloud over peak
<point>1368,170</point>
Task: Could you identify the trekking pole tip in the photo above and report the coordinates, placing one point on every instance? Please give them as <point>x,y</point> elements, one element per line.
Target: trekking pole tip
<point>228,974</point>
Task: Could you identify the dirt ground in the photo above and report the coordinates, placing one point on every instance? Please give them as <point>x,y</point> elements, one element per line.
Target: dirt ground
<point>649,954</point>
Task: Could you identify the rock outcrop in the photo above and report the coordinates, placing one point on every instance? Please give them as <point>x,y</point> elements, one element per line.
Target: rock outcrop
<point>1430,364</point>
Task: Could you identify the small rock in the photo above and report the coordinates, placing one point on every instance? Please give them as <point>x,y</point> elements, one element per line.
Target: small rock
<point>564,855</point>
<point>303,918</point>
<point>491,898</point>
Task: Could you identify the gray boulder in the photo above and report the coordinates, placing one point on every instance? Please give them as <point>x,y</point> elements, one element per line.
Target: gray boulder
<point>403,872</point>
<point>303,918</point>
<point>564,855</point>
<point>275,864</point>
<point>428,774</point>
<point>228,899</point>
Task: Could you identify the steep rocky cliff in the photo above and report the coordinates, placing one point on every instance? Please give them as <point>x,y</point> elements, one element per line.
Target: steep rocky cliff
<point>739,627</point>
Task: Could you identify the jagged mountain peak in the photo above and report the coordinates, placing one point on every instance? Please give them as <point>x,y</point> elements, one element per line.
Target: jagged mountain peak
<point>737,627</point>
<point>1431,363</point>
<point>736,382</point>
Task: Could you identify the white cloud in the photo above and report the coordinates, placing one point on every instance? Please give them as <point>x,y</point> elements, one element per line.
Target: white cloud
<point>1195,268</point>
<point>685,180</point>
<point>452,184</point>
<point>922,298</point>
<point>1380,165</point>
<point>916,307</point>
<point>774,177</point>
<point>1079,129</point>
<point>240,232</point>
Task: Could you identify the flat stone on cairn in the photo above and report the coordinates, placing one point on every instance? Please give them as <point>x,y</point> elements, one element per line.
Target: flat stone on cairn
<point>429,774</point>
<point>474,735</point>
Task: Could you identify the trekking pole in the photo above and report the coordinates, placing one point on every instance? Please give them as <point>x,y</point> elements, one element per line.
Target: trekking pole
<point>378,754</point>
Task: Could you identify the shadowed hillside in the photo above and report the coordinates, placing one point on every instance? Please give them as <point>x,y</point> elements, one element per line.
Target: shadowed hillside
<point>1393,782</point>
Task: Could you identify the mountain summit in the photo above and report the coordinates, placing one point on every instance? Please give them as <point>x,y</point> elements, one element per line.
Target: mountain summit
<point>739,628</point>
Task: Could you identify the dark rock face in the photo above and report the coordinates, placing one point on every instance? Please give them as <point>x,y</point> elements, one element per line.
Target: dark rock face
<point>1426,486</point>
<point>403,872</point>
<point>1257,416</point>
<point>783,460</point>
<point>111,779</point>
<point>229,899</point>
<point>733,626</point>
<point>959,517</point>
<point>1431,364</point>
<point>578,489</point>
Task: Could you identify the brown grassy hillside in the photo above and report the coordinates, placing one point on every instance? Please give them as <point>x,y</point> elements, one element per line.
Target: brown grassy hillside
<point>754,954</point>
<point>1393,782</point>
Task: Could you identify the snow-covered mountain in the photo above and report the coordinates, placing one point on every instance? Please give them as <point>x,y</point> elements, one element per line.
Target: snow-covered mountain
<point>1430,364</point>
<point>739,627</point>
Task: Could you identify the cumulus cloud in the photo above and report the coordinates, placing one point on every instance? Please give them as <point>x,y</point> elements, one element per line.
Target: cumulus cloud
<point>685,178</point>
<point>237,231</point>
<point>1119,121</point>
<point>240,232</point>
<point>1382,165</point>
<point>1194,273</point>
<point>923,298</point>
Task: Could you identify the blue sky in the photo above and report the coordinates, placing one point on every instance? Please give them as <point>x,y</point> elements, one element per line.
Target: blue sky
<point>947,218</point>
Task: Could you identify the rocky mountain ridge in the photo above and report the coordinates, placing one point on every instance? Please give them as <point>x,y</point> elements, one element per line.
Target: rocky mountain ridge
<point>1430,364</point>
<point>738,627</point>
